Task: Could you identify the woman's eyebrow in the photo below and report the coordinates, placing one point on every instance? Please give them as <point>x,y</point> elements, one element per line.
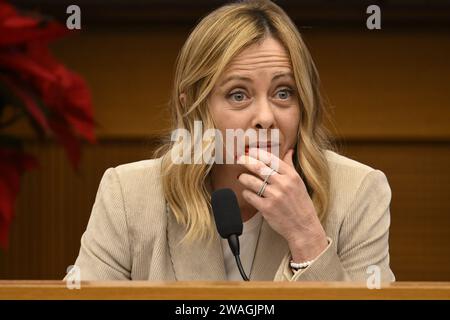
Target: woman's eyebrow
<point>276,76</point>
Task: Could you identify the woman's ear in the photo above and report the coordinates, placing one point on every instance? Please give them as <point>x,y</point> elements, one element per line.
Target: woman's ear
<point>183,99</point>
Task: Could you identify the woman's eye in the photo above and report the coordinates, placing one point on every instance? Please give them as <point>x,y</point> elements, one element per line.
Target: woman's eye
<point>237,96</point>
<point>284,94</point>
<point>240,96</point>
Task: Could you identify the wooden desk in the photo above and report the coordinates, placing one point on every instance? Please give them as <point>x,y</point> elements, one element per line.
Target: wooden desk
<point>223,290</point>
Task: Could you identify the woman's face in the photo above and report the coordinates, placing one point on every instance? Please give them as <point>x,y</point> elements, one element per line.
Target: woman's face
<point>257,91</point>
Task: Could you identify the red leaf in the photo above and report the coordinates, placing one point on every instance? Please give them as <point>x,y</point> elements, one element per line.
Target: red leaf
<point>16,22</point>
<point>18,29</point>
<point>34,110</point>
<point>6,10</point>
<point>63,91</point>
<point>25,66</point>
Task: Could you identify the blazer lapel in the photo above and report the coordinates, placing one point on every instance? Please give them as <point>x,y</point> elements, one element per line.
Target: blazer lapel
<point>198,260</point>
<point>270,250</point>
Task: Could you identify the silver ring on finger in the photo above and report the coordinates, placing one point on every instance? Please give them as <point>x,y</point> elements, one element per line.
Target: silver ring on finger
<point>261,190</point>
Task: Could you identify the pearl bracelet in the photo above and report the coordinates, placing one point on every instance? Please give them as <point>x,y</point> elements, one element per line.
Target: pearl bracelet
<point>302,265</point>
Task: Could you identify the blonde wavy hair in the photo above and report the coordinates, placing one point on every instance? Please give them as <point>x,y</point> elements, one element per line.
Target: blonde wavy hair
<point>210,47</point>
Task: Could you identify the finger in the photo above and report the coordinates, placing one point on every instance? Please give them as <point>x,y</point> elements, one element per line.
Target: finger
<point>252,183</point>
<point>255,200</point>
<point>255,166</point>
<point>271,160</point>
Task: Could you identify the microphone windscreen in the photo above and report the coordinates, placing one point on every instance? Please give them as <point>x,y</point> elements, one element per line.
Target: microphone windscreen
<point>227,213</point>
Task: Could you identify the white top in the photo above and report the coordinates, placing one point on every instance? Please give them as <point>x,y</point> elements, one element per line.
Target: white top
<point>247,241</point>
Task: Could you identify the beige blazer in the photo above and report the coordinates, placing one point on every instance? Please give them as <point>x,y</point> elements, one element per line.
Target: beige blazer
<point>131,234</point>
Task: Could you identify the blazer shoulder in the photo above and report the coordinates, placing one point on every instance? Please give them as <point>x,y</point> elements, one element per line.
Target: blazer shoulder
<point>347,170</point>
<point>149,167</point>
<point>337,161</point>
<point>142,190</point>
<point>137,176</point>
<point>348,176</point>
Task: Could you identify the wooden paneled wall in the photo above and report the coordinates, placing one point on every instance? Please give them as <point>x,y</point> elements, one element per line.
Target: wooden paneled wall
<point>390,103</point>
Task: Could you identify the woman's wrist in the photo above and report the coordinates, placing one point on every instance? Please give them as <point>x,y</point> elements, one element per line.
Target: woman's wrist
<point>307,248</point>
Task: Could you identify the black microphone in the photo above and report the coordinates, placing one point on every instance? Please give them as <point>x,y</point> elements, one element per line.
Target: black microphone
<point>227,215</point>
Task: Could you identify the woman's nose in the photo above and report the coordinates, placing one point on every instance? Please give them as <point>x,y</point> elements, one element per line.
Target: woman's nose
<point>264,117</point>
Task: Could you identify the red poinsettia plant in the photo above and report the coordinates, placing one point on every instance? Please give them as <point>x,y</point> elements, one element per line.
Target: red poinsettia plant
<point>34,85</point>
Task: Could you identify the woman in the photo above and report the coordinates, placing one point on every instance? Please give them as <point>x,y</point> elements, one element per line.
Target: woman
<point>316,215</point>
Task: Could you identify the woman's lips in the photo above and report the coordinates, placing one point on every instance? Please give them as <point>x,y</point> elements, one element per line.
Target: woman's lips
<point>267,148</point>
